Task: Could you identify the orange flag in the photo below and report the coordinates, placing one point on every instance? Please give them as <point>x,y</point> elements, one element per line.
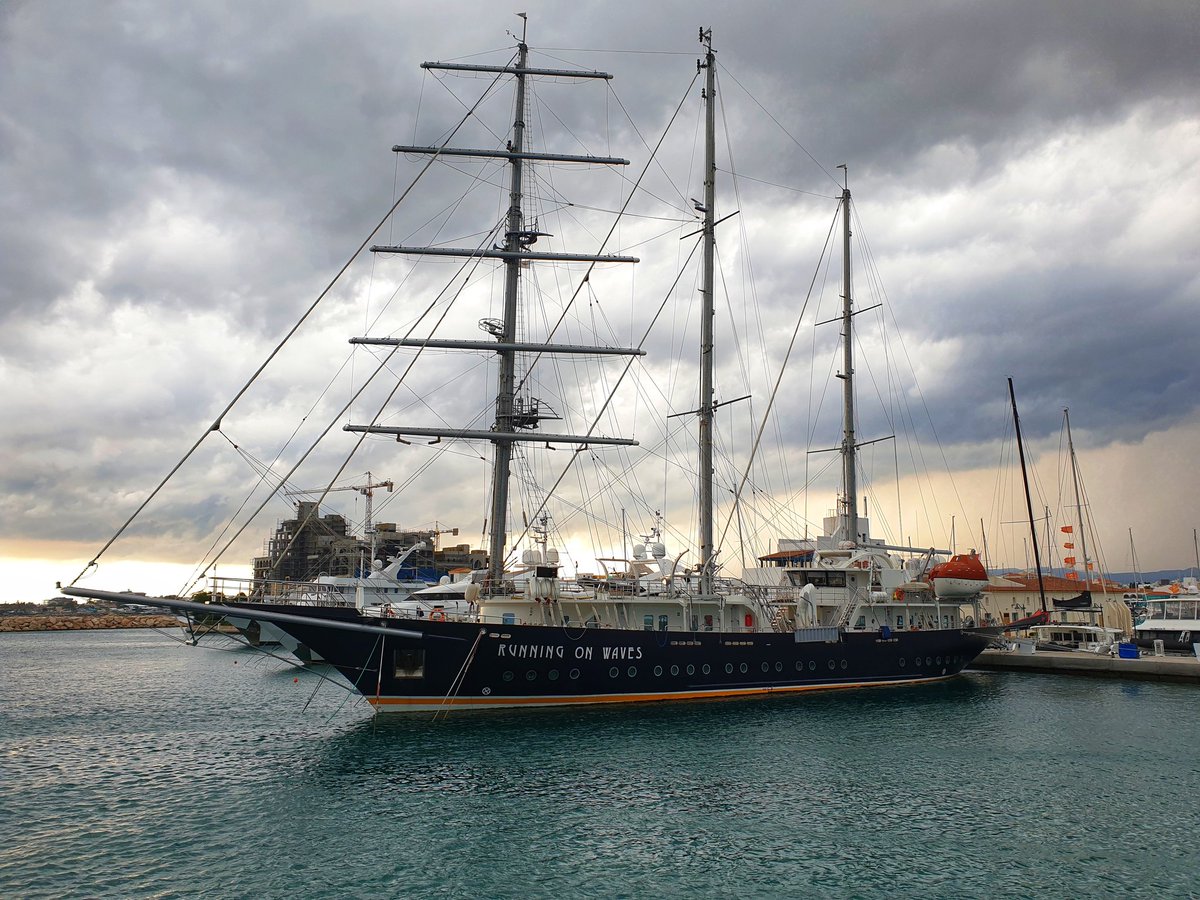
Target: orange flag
<point>1068,529</point>
<point>1068,546</point>
<point>1069,560</point>
<point>1072,576</point>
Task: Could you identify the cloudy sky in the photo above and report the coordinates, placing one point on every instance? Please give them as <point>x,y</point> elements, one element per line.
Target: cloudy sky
<point>180,183</point>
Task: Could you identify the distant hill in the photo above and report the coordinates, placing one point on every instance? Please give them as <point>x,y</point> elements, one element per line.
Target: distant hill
<point>1165,575</point>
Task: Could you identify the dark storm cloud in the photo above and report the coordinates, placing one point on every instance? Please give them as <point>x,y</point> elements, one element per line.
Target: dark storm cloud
<point>179,182</point>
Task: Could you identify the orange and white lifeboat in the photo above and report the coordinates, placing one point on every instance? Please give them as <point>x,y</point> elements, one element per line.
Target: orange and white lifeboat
<point>962,576</point>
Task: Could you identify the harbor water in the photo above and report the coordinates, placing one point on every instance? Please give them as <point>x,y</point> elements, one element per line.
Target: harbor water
<point>134,766</point>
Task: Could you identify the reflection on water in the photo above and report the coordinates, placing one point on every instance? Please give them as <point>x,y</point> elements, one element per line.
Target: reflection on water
<point>136,767</point>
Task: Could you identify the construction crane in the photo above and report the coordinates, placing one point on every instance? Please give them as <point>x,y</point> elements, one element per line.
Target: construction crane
<point>367,490</point>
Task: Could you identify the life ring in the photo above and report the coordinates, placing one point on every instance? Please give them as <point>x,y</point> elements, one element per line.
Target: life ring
<point>437,616</point>
<point>388,611</point>
<point>861,564</point>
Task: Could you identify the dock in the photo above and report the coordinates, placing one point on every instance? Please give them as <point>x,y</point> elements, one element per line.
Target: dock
<point>1184,669</point>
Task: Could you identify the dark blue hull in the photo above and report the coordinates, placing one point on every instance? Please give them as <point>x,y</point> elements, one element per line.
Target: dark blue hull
<point>471,665</point>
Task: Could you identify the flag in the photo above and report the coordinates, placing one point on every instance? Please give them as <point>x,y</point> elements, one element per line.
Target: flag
<point>1072,576</point>
<point>1068,529</point>
<point>1089,565</point>
<point>1068,546</point>
<point>1069,560</point>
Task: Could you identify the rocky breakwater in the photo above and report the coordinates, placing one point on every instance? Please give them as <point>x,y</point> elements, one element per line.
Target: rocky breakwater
<point>85,621</point>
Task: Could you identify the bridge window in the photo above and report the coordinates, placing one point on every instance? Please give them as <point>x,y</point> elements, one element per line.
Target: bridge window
<point>662,623</point>
<point>648,623</point>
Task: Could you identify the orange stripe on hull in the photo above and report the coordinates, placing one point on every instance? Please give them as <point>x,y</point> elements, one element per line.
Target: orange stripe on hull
<point>417,704</point>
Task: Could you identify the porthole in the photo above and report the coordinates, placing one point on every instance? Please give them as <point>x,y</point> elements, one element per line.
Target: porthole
<point>799,665</point>
<point>832,664</point>
<point>633,671</point>
<point>508,676</point>
<point>844,663</point>
<point>929,660</point>
<point>531,675</point>
<point>812,665</point>
<point>939,660</point>
<point>778,667</point>
<point>706,669</point>
<point>692,670</point>
<point>614,672</point>
<point>658,670</point>
<point>728,668</point>
<point>766,667</point>
<point>902,662</point>
<point>574,673</point>
<point>743,668</point>
<point>552,674</point>
<point>674,670</point>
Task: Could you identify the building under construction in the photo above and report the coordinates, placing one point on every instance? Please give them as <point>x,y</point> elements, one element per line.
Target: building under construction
<point>310,545</point>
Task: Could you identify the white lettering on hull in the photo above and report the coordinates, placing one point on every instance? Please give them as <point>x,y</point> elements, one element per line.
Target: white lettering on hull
<point>531,651</point>
<point>622,652</point>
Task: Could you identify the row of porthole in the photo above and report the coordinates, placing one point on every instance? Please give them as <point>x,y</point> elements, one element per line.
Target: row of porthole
<point>743,668</point>
<point>531,675</point>
<point>706,669</point>
<point>930,661</point>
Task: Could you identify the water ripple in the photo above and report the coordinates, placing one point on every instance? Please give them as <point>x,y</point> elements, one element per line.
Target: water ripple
<point>132,767</point>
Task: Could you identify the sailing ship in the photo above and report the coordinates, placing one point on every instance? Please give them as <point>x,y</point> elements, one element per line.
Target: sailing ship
<point>852,615</point>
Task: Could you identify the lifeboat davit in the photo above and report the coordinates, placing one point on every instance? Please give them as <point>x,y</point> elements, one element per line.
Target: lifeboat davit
<point>962,576</point>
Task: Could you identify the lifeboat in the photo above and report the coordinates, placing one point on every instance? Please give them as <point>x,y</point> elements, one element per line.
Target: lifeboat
<point>962,576</point>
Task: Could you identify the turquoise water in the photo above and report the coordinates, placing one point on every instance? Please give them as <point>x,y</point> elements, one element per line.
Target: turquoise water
<point>132,766</point>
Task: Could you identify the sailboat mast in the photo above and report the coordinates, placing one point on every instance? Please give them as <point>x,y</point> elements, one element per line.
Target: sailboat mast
<point>1137,575</point>
<point>1037,559</point>
<point>1087,581</point>
<point>507,357</point>
<point>705,406</point>
<point>849,476</point>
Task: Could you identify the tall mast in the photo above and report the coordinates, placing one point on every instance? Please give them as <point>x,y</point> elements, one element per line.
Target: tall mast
<point>509,426</point>
<point>1087,581</point>
<point>1137,575</point>
<point>512,281</point>
<point>849,476</point>
<point>705,410</point>
<point>1037,559</point>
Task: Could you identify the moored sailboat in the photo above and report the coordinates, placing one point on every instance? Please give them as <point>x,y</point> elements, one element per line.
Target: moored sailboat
<point>853,615</point>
